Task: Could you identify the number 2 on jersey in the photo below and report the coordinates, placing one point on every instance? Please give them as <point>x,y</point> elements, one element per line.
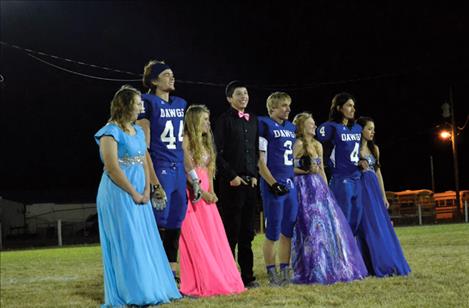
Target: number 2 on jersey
<point>288,155</point>
<point>167,136</point>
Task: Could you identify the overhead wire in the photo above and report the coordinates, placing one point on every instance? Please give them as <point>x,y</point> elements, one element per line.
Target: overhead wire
<point>37,54</point>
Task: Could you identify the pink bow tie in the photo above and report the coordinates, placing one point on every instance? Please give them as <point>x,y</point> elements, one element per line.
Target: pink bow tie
<point>243,115</point>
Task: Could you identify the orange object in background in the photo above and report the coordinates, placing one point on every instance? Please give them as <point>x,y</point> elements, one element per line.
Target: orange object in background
<point>446,203</point>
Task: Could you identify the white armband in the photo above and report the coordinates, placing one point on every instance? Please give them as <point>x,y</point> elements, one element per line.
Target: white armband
<point>193,175</point>
<point>263,144</point>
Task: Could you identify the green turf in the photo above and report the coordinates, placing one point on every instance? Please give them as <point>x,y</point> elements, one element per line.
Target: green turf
<point>72,277</point>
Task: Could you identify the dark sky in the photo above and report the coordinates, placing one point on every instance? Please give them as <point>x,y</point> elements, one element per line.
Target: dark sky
<point>399,62</point>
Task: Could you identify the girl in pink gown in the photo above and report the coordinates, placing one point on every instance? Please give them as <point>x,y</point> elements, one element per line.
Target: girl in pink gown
<point>207,266</point>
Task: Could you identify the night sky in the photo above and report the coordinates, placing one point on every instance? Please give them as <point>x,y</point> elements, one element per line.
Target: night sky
<point>398,61</point>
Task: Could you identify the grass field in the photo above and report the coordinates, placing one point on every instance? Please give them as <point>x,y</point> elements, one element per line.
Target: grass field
<point>72,277</point>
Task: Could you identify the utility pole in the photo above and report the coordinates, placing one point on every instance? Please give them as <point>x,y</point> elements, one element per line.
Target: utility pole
<point>454,133</point>
<point>432,174</point>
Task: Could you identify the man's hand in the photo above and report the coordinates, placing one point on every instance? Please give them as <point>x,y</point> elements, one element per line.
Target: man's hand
<point>278,189</point>
<point>158,197</point>
<point>253,182</point>
<point>237,181</point>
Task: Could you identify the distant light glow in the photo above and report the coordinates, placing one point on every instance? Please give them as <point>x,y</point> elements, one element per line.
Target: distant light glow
<point>445,135</point>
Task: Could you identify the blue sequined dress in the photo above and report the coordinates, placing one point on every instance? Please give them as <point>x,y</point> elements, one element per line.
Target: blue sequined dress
<point>323,247</point>
<point>380,246</point>
<point>136,269</point>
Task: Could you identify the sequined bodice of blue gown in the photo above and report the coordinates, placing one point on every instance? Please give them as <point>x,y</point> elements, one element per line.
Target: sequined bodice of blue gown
<point>131,149</point>
<point>371,161</point>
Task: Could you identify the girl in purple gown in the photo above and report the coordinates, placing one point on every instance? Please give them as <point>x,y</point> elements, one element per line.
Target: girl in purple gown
<point>378,241</point>
<point>323,247</point>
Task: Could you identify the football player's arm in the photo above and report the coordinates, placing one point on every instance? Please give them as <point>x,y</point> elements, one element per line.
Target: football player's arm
<point>145,124</point>
<point>144,120</point>
<point>263,169</point>
<point>188,164</point>
<point>188,161</point>
<point>146,168</point>
<point>324,132</point>
<point>151,170</point>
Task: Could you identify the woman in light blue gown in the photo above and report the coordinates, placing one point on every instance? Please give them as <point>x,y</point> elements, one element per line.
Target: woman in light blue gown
<point>136,269</point>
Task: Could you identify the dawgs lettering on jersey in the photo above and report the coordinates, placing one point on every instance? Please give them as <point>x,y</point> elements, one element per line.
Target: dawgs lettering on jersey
<point>346,146</point>
<point>280,139</point>
<point>166,119</point>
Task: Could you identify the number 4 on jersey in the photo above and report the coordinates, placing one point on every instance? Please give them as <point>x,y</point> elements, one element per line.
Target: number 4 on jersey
<point>354,154</point>
<point>322,131</point>
<point>167,136</point>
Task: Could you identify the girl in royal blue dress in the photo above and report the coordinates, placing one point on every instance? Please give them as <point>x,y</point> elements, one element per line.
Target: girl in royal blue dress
<point>136,269</point>
<point>323,247</point>
<point>380,246</point>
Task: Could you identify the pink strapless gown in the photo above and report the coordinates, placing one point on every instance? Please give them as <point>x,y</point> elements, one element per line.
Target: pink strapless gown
<point>207,266</point>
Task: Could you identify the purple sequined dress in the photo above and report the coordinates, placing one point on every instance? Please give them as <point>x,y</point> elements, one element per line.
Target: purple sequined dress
<point>323,248</point>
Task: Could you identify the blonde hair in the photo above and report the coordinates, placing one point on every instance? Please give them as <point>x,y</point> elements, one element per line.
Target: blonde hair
<point>299,121</point>
<point>147,82</point>
<point>122,105</point>
<point>275,99</point>
<point>198,141</point>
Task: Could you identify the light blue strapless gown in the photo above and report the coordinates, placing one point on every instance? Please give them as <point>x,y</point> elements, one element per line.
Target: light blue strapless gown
<point>136,269</point>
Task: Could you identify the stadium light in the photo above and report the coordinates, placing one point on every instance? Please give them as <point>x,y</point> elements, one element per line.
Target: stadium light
<point>445,135</point>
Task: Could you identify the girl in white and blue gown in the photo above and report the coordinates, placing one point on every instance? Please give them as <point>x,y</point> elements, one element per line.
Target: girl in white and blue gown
<point>380,246</point>
<point>136,269</point>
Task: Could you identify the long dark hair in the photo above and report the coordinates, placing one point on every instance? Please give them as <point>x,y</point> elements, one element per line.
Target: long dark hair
<point>338,101</point>
<point>146,80</point>
<point>362,121</point>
